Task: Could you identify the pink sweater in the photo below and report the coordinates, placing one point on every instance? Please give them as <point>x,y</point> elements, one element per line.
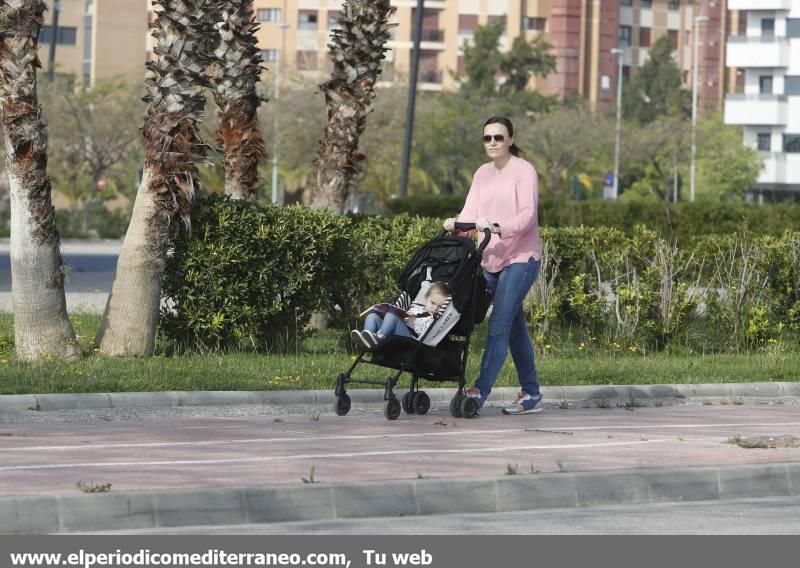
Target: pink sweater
<point>510,199</point>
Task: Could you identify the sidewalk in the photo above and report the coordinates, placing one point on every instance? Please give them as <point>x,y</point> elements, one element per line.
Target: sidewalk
<point>217,463</point>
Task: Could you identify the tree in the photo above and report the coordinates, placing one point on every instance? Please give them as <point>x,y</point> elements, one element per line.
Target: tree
<point>654,155</point>
<point>174,85</point>
<point>524,61</point>
<point>726,168</point>
<point>236,72</point>
<point>357,49</point>
<point>560,142</point>
<point>482,58</point>
<point>93,134</point>
<point>656,89</point>
<point>41,323</point>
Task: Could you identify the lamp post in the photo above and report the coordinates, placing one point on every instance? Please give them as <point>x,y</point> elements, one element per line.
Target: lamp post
<point>692,166</point>
<point>51,59</point>
<point>282,26</point>
<point>412,97</point>
<point>618,52</point>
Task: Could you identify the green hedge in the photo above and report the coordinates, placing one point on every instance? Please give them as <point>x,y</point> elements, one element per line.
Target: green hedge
<point>251,275</point>
<point>681,221</point>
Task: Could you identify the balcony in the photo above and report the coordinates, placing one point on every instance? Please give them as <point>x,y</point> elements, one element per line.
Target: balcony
<point>759,4</point>
<point>774,170</point>
<point>430,76</point>
<point>436,36</point>
<point>749,51</point>
<point>757,110</point>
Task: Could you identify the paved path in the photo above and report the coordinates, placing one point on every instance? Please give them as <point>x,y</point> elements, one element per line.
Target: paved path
<point>253,445</point>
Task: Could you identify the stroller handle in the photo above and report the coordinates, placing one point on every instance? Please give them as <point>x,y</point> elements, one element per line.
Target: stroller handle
<point>487,234</point>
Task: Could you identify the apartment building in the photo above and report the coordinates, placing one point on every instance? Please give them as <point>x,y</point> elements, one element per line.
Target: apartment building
<point>768,105</point>
<point>582,32</point>
<point>96,39</point>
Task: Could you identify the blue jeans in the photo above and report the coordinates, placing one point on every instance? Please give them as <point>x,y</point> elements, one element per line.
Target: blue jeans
<point>387,326</point>
<point>508,328</point>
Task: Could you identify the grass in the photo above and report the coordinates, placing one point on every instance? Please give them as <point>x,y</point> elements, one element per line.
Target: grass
<point>321,359</point>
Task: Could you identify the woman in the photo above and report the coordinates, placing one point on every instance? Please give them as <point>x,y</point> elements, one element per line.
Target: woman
<point>504,199</point>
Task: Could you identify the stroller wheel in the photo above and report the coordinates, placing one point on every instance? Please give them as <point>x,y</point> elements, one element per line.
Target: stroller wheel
<point>342,404</point>
<point>455,406</point>
<point>408,404</point>
<point>421,402</point>
<point>392,410</point>
<point>469,407</point>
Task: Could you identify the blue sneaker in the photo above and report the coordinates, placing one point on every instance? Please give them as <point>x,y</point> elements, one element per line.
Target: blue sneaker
<point>525,404</point>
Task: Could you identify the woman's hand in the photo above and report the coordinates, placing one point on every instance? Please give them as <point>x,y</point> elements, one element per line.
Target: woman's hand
<point>449,224</point>
<point>482,223</point>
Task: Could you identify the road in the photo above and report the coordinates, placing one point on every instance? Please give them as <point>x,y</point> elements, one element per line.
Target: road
<point>85,272</point>
<point>776,515</point>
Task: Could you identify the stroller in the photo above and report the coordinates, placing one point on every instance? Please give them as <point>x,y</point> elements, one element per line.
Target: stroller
<point>440,354</point>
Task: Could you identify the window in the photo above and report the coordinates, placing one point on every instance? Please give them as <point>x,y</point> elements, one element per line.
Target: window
<point>645,3</point>
<point>467,24</point>
<point>626,3</point>
<point>791,143</point>
<point>644,37</point>
<point>307,20</point>
<point>66,35</point>
<point>764,141</point>
<point>792,27</point>
<point>307,61</point>
<point>333,23</point>
<point>269,55</point>
<point>269,15</point>
<point>765,84</point>
<point>533,24</point>
<point>791,85</point>
<point>673,38</point>
<point>674,5</point>
<point>624,36</point>
<point>768,27</point>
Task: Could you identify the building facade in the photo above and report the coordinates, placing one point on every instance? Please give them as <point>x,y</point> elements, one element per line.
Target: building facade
<point>582,32</point>
<point>96,39</point>
<point>767,106</point>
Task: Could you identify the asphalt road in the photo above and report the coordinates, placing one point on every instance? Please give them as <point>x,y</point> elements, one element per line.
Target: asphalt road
<point>85,272</point>
<point>778,515</point>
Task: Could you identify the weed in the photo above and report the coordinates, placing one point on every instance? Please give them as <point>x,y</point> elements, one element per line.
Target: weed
<point>533,469</point>
<point>92,488</point>
<point>315,417</point>
<point>512,469</point>
<point>561,467</point>
<point>420,476</point>
<point>563,405</point>
<point>602,403</point>
<point>310,478</point>
<point>708,402</point>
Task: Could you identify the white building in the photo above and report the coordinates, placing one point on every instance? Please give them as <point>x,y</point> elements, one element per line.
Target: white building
<point>769,108</point>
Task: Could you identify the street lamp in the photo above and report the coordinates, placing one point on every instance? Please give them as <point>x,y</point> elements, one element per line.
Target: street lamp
<point>282,26</point>
<point>692,167</point>
<point>619,53</point>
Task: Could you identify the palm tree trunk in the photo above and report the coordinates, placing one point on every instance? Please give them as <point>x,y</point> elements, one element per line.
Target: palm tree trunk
<point>237,70</point>
<point>174,86</point>
<point>41,323</point>
<point>356,51</point>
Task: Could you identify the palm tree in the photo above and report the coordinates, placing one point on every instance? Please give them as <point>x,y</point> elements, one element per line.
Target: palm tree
<point>235,74</point>
<point>41,322</point>
<point>356,52</point>
<point>174,85</point>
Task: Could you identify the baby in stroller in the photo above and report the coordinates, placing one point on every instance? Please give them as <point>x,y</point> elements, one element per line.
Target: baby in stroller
<point>384,321</point>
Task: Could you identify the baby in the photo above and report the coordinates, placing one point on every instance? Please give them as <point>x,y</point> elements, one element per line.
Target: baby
<point>377,329</point>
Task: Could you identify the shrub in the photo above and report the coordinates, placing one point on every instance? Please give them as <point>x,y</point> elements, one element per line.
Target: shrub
<point>250,275</point>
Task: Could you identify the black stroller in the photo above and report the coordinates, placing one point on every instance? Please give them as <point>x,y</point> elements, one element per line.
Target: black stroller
<point>441,353</point>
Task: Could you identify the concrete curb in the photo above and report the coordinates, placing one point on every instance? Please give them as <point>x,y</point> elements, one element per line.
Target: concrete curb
<point>283,503</point>
<point>369,396</point>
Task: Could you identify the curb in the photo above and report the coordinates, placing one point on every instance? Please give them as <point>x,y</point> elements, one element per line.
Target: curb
<point>366,396</point>
<point>283,503</point>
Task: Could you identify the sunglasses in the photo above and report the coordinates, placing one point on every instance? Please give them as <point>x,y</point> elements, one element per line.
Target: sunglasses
<point>497,138</point>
